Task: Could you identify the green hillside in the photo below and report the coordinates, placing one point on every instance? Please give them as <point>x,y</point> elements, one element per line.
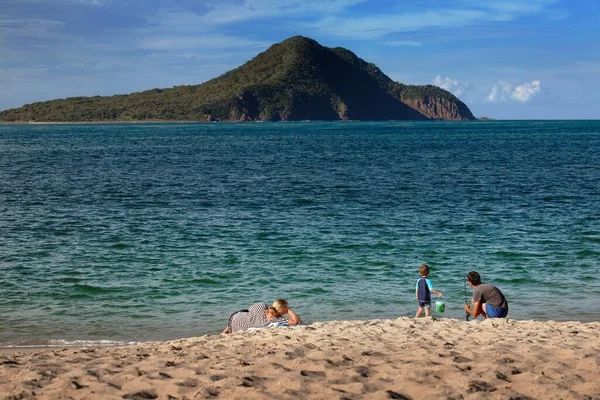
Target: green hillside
<point>297,79</point>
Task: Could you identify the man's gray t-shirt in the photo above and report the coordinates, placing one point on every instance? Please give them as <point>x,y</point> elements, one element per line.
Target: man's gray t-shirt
<point>489,294</point>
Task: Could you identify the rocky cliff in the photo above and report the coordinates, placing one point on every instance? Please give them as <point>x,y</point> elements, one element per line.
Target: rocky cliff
<point>435,103</point>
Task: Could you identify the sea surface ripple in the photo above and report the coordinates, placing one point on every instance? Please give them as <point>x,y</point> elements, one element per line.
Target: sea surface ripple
<point>131,232</point>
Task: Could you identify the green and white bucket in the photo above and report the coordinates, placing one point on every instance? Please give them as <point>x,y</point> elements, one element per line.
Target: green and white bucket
<point>440,305</point>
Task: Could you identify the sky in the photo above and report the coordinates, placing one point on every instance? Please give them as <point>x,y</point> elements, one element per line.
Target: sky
<point>511,59</point>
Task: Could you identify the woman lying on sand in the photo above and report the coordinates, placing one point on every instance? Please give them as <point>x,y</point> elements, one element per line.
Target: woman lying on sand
<point>259,315</point>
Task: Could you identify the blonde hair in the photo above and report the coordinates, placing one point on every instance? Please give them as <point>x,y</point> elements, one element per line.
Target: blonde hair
<point>271,312</point>
<point>280,304</point>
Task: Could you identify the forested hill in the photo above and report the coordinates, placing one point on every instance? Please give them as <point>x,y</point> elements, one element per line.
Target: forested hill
<point>297,79</point>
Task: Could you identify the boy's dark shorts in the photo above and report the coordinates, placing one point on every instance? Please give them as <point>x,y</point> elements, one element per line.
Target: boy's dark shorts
<point>425,304</point>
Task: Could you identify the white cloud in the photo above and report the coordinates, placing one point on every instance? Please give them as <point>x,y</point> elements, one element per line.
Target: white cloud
<point>525,91</point>
<point>500,92</point>
<point>445,83</point>
<point>493,96</point>
<point>503,91</point>
<point>224,12</point>
<point>407,43</point>
<point>334,17</point>
<point>377,25</point>
<point>458,14</point>
<point>179,43</point>
<point>27,27</point>
<point>512,6</point>
<point>454,86</point>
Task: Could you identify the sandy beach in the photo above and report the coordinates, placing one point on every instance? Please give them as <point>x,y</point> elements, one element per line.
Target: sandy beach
<point>376,359</point>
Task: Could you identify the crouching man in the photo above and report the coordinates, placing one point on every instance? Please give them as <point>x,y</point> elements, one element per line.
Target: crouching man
<point>488,300</point>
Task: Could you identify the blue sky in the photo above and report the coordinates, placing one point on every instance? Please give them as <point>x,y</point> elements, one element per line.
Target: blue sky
<point>509,59</point>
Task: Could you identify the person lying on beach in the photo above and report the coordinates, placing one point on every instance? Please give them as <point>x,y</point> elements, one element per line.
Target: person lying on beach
<point>259,315</point>
<point>423,291</point>
<point>488,300</point>
<point>271,313</point>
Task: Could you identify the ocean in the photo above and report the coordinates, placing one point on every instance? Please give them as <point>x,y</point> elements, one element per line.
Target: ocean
<point>119,233</point>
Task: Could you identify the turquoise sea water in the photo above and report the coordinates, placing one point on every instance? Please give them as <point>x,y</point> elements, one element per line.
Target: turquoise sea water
<point>138,232</point>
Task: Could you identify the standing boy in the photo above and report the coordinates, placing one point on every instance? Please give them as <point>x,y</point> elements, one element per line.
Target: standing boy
<point>423,291</point>
<point>488,300</point>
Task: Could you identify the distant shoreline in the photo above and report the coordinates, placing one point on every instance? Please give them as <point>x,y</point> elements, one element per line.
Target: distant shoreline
<point>252,122</point>
<point>217,122</point>
<point>104,122</point>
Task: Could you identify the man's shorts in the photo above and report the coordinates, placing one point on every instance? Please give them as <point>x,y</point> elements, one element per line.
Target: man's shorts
<point>426,304</point>
<point>494,312</point>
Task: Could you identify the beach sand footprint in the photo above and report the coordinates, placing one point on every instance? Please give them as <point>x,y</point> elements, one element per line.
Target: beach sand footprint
<point>313,374</point>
